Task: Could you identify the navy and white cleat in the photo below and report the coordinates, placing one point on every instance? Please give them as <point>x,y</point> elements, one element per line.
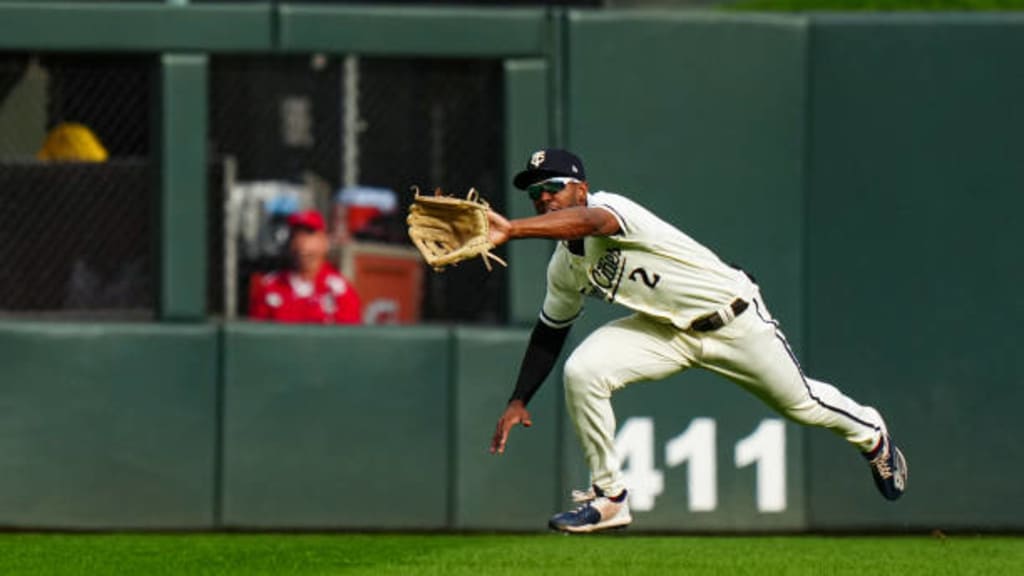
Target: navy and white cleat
<point>596,512</point>
<point>889,468</point>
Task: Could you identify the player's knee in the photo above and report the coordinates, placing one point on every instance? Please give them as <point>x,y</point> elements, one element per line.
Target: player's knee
<point>582,379</point>
<point>575,373</point>
<point>803,413</point>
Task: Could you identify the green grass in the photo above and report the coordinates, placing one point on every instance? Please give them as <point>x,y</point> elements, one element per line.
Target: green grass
<point>486,555</point>
<point>876,5</point>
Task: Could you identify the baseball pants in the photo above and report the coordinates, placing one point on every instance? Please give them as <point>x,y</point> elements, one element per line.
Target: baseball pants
<point>751,351</point>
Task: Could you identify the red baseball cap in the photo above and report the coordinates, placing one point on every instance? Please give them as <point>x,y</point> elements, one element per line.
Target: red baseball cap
<point>308,219</point>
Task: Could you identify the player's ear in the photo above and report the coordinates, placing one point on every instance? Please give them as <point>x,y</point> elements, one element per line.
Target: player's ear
<point>581,192</point>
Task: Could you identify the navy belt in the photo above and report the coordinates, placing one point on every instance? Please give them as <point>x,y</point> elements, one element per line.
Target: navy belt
<point>715,320</point>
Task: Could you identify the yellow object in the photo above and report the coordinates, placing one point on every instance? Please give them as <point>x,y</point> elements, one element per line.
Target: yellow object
<point>73,142</point>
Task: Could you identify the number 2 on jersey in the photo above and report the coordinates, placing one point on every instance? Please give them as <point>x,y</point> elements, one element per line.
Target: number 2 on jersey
<point>651,281</point>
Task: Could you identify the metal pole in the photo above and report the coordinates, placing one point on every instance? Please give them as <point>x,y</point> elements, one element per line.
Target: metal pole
<point>351,128</point>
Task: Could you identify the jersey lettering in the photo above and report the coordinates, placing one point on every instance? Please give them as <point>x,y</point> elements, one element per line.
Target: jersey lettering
<point>607,271</point>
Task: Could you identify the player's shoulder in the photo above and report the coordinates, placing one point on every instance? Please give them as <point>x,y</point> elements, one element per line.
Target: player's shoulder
<point>605,195</point>
<point>631,215</point>
<point>613,199</point>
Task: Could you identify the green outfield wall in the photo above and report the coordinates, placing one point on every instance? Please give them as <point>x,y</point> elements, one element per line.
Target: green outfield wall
<point>108,426</point>
<point>914,183</point>
<point>514,490</point>
<point>701,117</point>
<point>336,428</point>
<point>865,169</point>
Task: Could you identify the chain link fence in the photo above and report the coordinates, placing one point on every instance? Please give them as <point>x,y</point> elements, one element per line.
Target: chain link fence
<point>300,131</point>
<point>77,179</point>
<point>75,186</point>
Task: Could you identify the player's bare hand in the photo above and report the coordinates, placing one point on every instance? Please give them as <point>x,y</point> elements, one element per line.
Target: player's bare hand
<point>499,228</point>
<point>515,413</point>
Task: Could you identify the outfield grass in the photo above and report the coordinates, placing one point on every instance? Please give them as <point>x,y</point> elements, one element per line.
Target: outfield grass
<point>485,555</point>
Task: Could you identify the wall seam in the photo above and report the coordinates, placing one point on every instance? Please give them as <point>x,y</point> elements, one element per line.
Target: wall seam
<point>806,160</point>
<point>219,410</point>
<point>452,507</point>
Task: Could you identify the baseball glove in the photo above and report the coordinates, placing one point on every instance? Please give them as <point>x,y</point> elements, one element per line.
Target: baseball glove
<point>448,230</point>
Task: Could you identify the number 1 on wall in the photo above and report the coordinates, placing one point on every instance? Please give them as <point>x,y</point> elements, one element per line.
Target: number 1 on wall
<point>766,446</point>
<point>696,445</point>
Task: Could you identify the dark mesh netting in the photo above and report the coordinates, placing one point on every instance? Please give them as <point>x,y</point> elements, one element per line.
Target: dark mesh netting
<point>300,130</point>
<point>440,123</point>
<point>75,186</point>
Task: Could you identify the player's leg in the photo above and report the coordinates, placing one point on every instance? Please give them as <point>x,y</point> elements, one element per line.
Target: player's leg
<point>624,351</point>
<point>753,352</point>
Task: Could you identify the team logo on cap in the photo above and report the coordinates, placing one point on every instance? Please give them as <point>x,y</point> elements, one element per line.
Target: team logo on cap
<point>537,159</point>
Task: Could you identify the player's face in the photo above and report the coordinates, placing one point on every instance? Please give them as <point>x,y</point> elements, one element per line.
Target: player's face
<point>554,196</point>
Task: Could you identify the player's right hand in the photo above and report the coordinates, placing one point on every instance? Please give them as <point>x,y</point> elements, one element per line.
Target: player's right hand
<point>515,413</point>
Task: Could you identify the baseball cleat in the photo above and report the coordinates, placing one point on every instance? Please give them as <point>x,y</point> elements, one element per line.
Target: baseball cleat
<point>888,467</point>
<point>596,512</point>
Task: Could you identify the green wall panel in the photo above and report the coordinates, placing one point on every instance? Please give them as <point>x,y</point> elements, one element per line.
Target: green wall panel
<point>700,118</point>
<point>107,427</point>
<point>135,26</point>
<point>518,490</point>
<point>181,142</point>
<point>528,127</point>
<point>914,258</point>
<point>334,427</point>
<point>429,31</point>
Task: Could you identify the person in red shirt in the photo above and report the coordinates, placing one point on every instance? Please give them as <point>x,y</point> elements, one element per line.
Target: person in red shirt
<point>311,290</point>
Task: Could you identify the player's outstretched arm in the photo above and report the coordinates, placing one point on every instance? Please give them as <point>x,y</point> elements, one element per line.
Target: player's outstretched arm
<point>565,224</point>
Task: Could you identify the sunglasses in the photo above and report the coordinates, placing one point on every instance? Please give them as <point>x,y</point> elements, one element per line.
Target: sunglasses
<point>550,186</point>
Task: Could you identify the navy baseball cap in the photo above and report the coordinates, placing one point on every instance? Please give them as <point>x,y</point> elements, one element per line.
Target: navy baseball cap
<point>550,163</point>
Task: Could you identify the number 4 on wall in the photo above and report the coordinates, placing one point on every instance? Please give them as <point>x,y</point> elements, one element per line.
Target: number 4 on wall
<point>765,446</point>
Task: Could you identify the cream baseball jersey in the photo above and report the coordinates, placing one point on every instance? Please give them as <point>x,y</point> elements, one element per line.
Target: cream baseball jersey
<point>649,266</point>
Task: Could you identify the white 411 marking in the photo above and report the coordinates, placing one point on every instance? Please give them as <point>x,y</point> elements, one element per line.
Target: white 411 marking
<point>765,447</point>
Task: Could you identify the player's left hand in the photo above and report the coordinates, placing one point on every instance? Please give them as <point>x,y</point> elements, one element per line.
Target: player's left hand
<point>498,233</point>
<point>447,230</point>
<point>515,413</point>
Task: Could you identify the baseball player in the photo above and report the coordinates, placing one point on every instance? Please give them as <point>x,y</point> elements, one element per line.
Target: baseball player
<point>689,310</point>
